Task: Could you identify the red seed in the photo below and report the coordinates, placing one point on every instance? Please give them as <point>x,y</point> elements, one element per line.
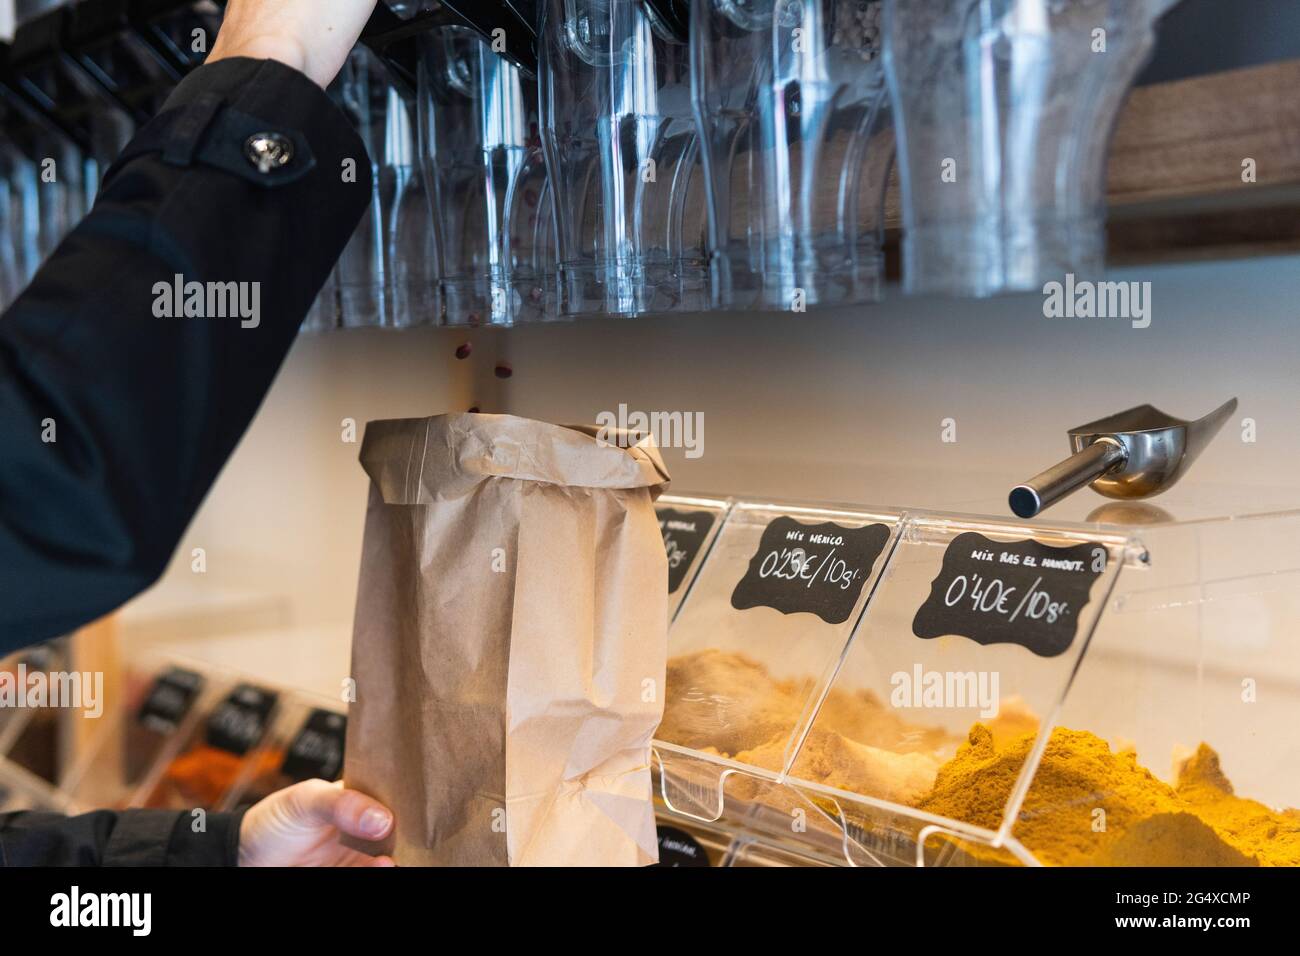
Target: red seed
<point>503,370</point>
<point>463,350</point>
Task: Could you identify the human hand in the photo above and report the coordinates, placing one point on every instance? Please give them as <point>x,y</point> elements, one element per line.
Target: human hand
<point>312,36</point>
<point>300,826</point>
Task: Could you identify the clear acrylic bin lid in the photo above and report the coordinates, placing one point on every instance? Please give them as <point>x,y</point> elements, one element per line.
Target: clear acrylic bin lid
<point>765,624</point>
<point>1186,705</point>
<point>1045,692</point>
<point>974,624</point>
<point>689,526</point>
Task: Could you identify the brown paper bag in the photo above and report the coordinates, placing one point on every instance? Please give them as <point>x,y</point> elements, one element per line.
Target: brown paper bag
<point>509,644</point>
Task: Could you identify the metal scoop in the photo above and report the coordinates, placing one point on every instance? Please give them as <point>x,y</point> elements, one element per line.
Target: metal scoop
<point>1133,454</point>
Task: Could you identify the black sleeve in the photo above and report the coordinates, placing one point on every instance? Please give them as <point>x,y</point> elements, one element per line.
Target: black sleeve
<point>144,409</point>
<point>123,838</point>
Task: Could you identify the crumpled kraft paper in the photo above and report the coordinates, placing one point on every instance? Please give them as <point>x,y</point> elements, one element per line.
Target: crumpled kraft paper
<point>509,643</point>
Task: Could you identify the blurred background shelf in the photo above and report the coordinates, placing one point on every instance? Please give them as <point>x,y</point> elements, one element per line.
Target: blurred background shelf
<point>1177,165</point>
<point>1175,176</point>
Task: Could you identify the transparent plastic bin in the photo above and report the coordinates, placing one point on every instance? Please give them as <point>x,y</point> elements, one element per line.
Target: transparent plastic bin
<point>481,149</point>
<point>159,749</point>
<point>33,732</point>
<point>223,748</point>
<point>1042,694</point>
<point>791,104</point>
<point>685,843</point>
<point>623,158</point>
<point>306,743</point>
<point>162,704</point>
<point>387,274</point>
<point>1004,111</point>
<point>689,527</point>
<point>20,790</point>
<point>755,854</point>
<point>761,632</point>
<point>750,802</point>
<point>961,631</point>
<point>1194,676</point>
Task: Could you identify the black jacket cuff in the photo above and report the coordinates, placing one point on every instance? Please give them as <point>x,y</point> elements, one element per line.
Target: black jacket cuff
<point>167,838</point>
<point>211,116</point>
<point>120,838</point>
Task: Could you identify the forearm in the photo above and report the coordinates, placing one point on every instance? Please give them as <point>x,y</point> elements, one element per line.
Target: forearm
<point>120,838</point>
<point>117,419</point>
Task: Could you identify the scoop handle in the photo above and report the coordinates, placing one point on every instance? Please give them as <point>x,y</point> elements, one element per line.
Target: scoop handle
<point>1081,468</point>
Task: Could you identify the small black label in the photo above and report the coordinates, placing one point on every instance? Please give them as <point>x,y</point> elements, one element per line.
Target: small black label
<point>1017,592</point>
<point>679,848</point>
<point>239,722</point>
<point>39,658</point>
<point>818,568</point>
<point>169,700</point>
<point>684,533</point>
<point>317,750</point>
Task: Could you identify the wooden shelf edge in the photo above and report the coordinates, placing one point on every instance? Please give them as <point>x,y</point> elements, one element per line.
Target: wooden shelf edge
<point>1174,176</point>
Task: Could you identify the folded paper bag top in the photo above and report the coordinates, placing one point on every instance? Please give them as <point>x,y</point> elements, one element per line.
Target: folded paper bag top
<point>510,639</point>
<point>420,460</point>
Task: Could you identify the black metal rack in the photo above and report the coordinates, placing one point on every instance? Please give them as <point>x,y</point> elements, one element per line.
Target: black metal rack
<point>393,38</point>
<point>79,67</point>
<point>68,65</point>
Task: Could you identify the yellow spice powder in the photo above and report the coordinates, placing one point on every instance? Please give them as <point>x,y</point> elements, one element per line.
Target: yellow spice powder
<point>837,761</point>
<point>1272,838</point>
<point>1089,806</point>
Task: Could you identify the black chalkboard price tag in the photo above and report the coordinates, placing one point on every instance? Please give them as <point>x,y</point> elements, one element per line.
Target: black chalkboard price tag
<point>1018,592</point>
<point>40,658</point>
<point>684,534</point>
<point>317,750</point>
<point>239,722</point>
<point>817,568</point>
<point>677,848</point>
<point>169,700</point>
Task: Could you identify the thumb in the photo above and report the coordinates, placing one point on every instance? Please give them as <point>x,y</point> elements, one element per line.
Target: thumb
<point>317,803</point>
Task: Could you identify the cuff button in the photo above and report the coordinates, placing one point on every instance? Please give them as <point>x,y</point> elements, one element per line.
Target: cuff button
<point>269,151</point>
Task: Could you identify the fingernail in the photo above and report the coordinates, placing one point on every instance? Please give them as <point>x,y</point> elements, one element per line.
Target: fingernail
<point>375,822</point>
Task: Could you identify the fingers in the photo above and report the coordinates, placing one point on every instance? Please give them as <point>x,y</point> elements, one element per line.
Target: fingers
<point>311,802</point>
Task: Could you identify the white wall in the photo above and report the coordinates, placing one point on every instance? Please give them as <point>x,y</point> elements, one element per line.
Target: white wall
<point>848,405</point>
<point>843,406</point>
